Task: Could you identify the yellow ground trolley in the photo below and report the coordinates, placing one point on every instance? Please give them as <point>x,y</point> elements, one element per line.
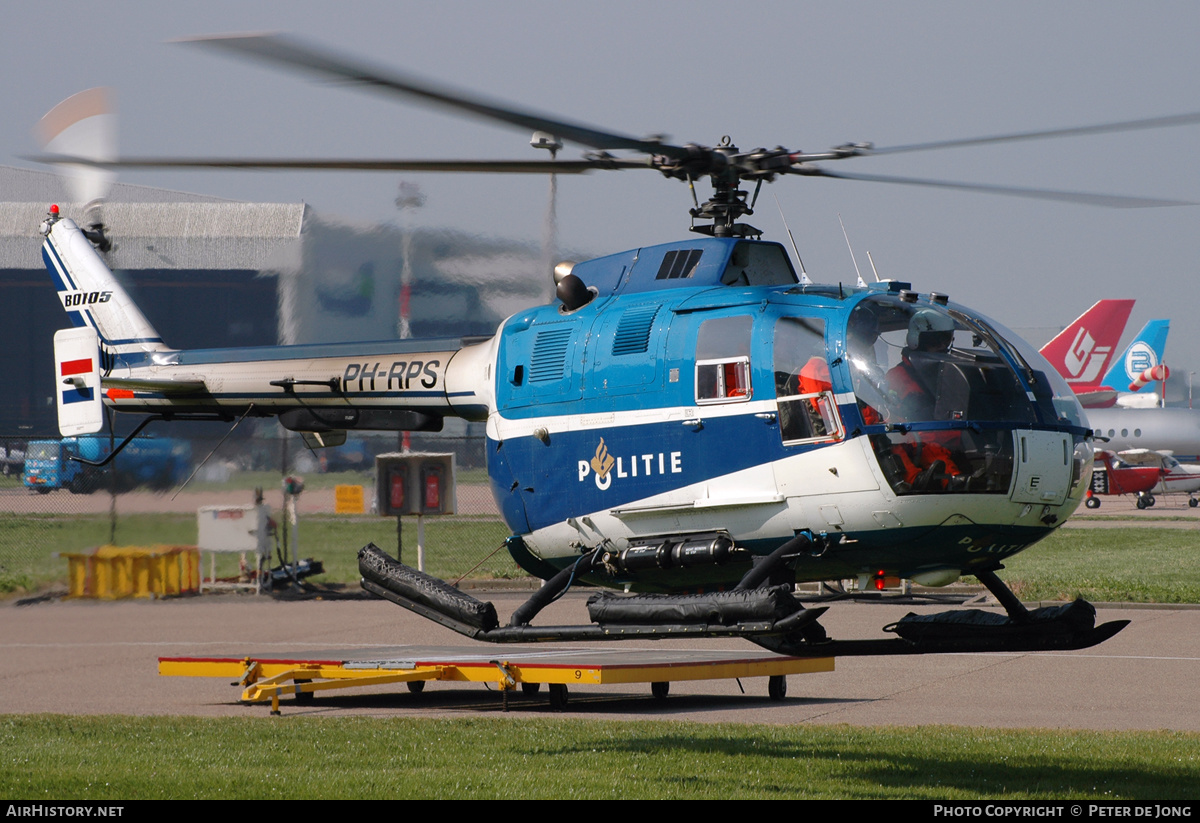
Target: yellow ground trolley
<point>266,677</point>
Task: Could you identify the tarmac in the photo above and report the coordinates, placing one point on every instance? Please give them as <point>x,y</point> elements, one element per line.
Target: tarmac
<point>100,658</point>
<point>89,657</point>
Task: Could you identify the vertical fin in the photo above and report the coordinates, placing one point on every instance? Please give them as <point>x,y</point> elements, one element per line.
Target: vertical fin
<point>1145,352</point>
<point>90,293</point>
<point>1081,352</point>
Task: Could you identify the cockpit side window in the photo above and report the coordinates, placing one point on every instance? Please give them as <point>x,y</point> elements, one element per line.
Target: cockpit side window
<point>803,385</point>
<point>723,360</point>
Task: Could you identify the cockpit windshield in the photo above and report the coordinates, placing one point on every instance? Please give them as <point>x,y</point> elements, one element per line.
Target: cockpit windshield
<point>950,386</point>
<point>920,363</point>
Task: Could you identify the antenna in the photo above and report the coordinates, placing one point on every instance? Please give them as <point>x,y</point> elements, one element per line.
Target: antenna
<point>862,284</point>
<point>878,279</point>
<point>804,278</point>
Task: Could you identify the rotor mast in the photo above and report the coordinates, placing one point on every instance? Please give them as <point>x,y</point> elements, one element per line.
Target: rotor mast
<point>725,167</point>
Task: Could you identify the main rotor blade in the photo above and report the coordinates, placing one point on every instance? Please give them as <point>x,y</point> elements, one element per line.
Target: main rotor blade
<point>287,51</point>
<point>1113,201</point>
<point>1077,131</point>
<point>364,164</point>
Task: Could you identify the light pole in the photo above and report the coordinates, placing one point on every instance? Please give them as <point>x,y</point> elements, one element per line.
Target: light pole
<point>543,140</point>
<point>410,197</point>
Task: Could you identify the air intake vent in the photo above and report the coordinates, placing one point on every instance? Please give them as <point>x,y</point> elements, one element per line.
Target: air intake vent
<point>549,354</point>
<point>633,332</point>
<point>678,264</point>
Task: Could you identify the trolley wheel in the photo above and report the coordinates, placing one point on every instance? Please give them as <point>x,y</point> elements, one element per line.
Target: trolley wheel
<point>777,687</point>
<point>1092,503</point>
<point>1193,502</point>
<point>558,696</point>
<point>1141,502</point>
<point>660,689</point>
<point>530,689</point>
<point>304,697</point>
<point>416,686</point>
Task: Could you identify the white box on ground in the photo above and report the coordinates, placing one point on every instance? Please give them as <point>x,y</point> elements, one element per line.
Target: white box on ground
<point>234,529</point>
<point>240,529</point>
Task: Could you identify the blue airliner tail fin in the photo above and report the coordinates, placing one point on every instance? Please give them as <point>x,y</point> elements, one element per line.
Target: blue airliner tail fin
<point>1145,352</point>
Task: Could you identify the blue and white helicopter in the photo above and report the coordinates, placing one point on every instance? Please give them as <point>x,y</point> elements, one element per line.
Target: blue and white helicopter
<point>691,419</point>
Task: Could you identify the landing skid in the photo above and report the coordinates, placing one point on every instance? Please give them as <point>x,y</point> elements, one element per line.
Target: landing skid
<point>767,616</point>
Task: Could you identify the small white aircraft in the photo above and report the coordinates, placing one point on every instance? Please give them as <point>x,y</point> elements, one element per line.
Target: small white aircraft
<point>1174,477</point>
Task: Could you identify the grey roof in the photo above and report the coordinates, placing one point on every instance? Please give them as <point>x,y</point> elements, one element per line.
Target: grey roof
<point>19,185</point>
<point>166,230</point>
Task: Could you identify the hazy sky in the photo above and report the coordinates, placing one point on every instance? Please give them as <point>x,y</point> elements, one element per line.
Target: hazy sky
<point>807,76</point>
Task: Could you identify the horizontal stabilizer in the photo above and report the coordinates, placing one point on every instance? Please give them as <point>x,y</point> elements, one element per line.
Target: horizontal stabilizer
<point>160,386</point>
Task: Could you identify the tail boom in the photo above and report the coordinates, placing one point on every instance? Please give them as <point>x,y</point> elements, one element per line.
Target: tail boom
<point>389,385</point>
<point>311,387</point>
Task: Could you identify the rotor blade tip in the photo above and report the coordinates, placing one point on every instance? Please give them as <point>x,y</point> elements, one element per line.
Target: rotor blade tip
<point>211,39</point>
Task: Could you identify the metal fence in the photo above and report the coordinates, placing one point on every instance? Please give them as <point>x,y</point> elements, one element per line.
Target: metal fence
<point>151,492</point>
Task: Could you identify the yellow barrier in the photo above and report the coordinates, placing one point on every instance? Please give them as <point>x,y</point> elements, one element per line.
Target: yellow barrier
<point>112,572</point>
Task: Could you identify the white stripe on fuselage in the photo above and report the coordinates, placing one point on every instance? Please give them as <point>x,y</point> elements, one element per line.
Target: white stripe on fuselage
<point>501,427</point>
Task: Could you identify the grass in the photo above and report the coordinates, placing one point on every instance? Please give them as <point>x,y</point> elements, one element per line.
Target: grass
<point>1120,565</point>
<point>29,544</point>
<point>1141,518</point>
<point>124,758</point>
<point>1138,565</point>
<point>453,545</point>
